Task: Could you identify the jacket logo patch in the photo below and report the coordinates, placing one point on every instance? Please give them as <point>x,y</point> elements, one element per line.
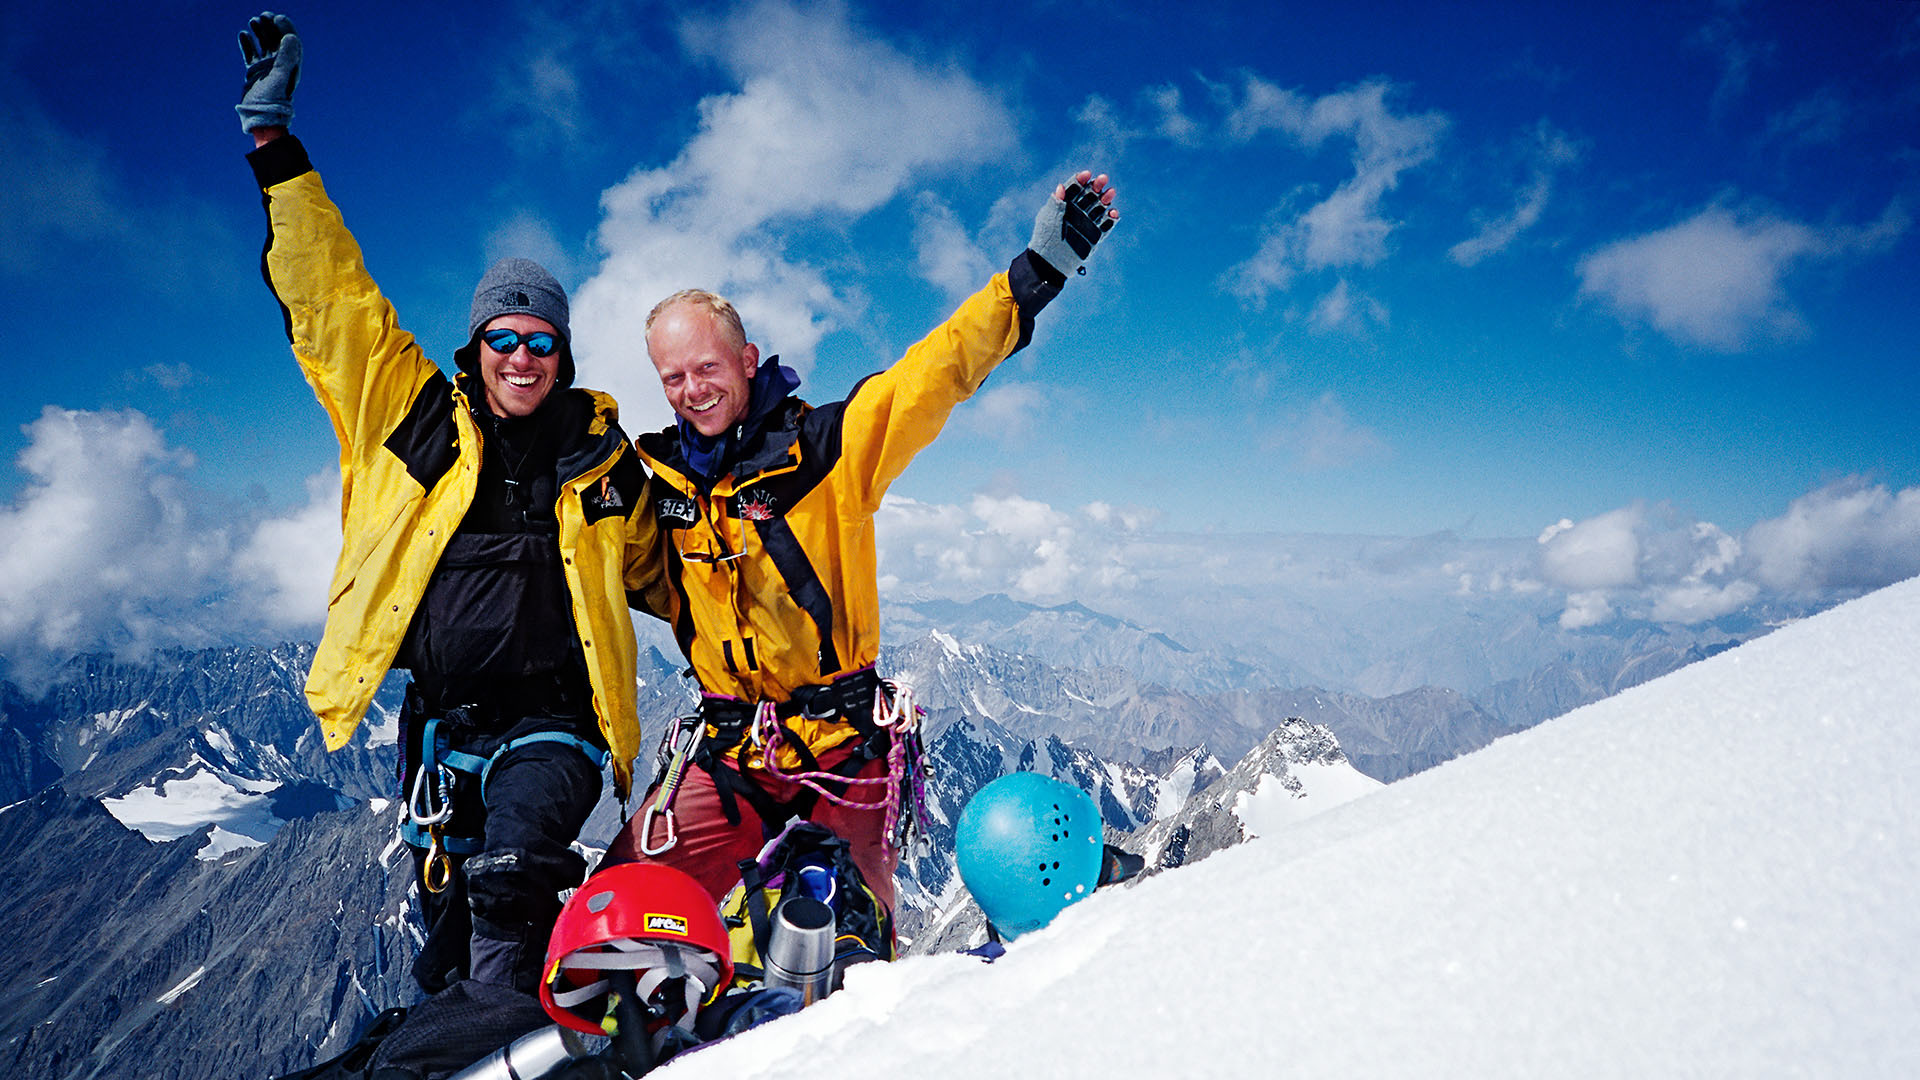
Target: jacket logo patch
<point>677,511</point>
<point>667,924</point>
<point>756,507</point>
<point>607,497</point>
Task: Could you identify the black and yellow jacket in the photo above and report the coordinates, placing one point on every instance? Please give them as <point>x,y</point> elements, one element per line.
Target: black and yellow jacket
<point>771,567</point>
<point>409,462</point>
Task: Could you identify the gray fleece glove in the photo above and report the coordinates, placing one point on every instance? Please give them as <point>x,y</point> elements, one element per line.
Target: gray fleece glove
<point>1065,231</point>
<point>272,52</point>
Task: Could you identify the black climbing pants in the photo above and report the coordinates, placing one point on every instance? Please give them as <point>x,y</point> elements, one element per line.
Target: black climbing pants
<point>492,921</point>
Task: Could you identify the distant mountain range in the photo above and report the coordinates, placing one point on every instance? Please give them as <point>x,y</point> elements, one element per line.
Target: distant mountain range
<point>194,884</point>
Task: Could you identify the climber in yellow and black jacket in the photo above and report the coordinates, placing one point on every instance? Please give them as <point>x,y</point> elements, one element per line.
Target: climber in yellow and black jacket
<point>494,526</point>
<point>765,505</point>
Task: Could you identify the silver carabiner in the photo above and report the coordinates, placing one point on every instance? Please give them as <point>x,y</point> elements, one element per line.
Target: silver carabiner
<point>424,791</point>
<point>654,809</point>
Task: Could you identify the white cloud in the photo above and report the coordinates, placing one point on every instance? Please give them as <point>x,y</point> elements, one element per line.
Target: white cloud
<point>1847,535</point>
<point>1585,609</point>
<point>1348,227</point>
<point>1323,436</point>
<point>827,124</point>
<point>1646,562</point>
<point>103,549</point>
<point>1026,548</point>
<point>287,563</point>
<point>1698,601</point>
<point>1344,307</point>
<point>1174,124</point>
<point>1653,562</point>
<point>948,257</point>
<point>1718,278</point>
<point>99,547</point>
<point>172,378</point>
<point>1599,553</point>
<point>1009,410</point>
<point>1551,152</point>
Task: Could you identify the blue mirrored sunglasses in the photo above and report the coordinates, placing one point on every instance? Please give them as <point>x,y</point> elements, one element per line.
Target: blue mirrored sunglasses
<point>504,341</point>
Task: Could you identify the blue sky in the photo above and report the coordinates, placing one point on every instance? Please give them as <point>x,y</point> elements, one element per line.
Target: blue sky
<point>1633,276</point>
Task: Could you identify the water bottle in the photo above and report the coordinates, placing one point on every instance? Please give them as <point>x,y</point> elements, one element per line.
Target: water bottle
<point>815,878</point>
<point>529,1056</point>
<point>800,949</point>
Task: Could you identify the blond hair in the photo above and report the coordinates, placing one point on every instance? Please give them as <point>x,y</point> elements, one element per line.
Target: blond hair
<point>713,304</point>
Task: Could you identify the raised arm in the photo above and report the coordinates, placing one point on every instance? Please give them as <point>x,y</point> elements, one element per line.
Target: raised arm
<point>365,370</point>
<point>895,414</point>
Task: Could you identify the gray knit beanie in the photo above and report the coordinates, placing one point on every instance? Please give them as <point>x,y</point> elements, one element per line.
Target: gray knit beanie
<point>518,287</point>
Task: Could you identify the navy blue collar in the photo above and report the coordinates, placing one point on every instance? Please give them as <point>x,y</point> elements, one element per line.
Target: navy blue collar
<point>711,455</point>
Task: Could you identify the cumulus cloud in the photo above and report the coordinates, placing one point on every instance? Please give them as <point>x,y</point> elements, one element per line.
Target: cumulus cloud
<point>1646,562</point>
<point>1349,227</point>
<point>1599,553</point>
<point>286,565</point>
<point>826,125</point>
<point>104,548</point>
<point>1551,152</point>
<point>1718,278</point>
<point>1654,562</point>
<point>1012,544</point>
<point>1848,535</point>
<point>99,547</point>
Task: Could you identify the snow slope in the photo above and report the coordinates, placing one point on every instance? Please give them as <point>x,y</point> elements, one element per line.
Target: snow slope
<point>1713,874</point>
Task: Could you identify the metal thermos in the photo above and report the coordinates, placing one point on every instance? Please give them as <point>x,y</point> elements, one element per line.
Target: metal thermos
<point>530,1056</point>
<point>800,952</point>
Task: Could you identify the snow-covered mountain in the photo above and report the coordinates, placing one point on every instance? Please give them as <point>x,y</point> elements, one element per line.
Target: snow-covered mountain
<point>1118,716</point>
<point>176,861</point>
<point>1711,874</point>
<point>1072,635</point>
<point>1296,772</point>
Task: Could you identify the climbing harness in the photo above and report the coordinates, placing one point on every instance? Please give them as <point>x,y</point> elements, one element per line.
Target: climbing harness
<point>883,712</point>
<point>903,794</point>
<point>426,821</point>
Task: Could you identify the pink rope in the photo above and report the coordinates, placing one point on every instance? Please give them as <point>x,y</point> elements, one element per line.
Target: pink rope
<point>768,733</point>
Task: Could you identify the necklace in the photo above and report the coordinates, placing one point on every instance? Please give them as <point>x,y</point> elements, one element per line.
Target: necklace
<point>508,465</point>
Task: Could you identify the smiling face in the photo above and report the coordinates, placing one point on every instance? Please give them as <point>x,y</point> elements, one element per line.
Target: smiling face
<point>517,382</point>
<point>705,371</point>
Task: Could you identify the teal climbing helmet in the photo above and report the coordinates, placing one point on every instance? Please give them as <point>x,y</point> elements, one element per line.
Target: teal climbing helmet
<point>1027,846</point>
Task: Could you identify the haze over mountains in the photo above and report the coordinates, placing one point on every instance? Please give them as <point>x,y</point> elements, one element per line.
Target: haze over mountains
<point>181,854</point>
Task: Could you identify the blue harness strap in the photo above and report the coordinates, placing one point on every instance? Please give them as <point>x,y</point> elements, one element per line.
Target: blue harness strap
<point>474,765</point>
<point>594,754</point>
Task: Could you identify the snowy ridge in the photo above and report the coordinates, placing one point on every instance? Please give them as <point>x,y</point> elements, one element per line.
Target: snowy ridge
<point>1296,772</point>
<point>1709,875</point>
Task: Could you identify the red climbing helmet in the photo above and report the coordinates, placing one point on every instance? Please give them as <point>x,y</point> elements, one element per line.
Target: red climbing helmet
<point>652,920</point>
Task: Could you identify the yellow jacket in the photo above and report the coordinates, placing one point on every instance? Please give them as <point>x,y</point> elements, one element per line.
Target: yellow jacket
<point>771,571</point>
<point>409,462</point>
